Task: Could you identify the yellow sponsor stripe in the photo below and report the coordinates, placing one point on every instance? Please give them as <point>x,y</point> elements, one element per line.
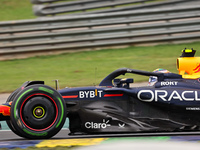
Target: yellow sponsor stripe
<point>70,142</point>
<point>95,92</point>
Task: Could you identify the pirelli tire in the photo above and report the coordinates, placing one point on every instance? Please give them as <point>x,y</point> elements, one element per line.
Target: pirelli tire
<point>38,112</point>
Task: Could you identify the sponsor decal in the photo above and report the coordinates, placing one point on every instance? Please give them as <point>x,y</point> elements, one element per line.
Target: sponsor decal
<point>129,70</point>
<point>90,94</point>
<point>121,125</point>
<point>46,90</point>
<point>113,95</point>
<point>163,95</point>
<point>94,125</point>
<point>70,96</point>
<point>167,83</point>
<point>192,108</point>
<point>197,69</point>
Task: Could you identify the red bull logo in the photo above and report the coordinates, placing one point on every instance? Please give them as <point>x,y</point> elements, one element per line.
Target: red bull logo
<point>197,69</point>
<point>5,110</point>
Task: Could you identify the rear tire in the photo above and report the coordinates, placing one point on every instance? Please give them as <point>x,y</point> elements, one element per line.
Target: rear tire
<point>38,112</point>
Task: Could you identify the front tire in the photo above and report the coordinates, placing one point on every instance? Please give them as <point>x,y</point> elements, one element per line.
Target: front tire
<point>9,123</point>
<point>38,112</point>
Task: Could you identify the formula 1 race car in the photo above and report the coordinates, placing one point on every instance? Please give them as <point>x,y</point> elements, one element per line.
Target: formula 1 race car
<point>172,104</point>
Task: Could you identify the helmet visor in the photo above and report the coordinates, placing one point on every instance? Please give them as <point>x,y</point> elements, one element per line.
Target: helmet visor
<point>152,80</point>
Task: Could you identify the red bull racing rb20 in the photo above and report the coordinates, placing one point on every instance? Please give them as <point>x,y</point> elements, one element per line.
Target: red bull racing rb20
<point>170,105</point>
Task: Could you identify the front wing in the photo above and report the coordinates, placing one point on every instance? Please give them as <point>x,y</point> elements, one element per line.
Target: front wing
<point>5,111</point>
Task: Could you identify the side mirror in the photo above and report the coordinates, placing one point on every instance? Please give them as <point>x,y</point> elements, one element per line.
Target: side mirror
<point>121,82</point>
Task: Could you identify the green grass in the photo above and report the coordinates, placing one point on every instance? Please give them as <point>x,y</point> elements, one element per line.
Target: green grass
<point>89,68</point>
<point>15,10</point>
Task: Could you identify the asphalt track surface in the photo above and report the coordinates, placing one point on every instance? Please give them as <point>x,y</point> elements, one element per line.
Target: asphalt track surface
<point>3,97</point>
<point>177,142</point>
<point>7,135</point>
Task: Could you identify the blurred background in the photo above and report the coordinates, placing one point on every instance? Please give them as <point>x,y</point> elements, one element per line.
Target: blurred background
<point>80,41</point>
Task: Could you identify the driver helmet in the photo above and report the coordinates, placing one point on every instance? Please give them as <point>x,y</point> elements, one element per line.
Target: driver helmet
<point>154,79</point>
